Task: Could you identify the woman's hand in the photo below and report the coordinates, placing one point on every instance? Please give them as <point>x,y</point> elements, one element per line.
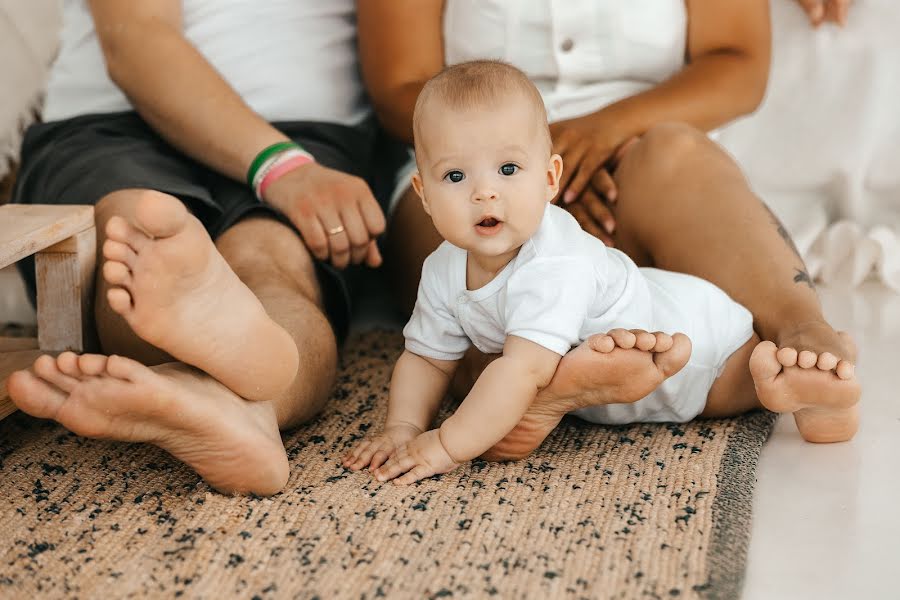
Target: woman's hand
<point>820,11</point>
<point>420,458</point>
<point>336,213</point>
<point>374,450</point>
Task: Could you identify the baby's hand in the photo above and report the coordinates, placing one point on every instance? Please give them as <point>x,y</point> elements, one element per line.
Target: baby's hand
<point>373,451</point>
<point>422,457</point>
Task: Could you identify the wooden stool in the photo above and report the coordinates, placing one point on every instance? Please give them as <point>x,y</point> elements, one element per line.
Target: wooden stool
<point>64,242</point>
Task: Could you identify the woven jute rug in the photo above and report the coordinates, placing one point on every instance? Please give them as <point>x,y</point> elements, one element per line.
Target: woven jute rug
<point>660,511</point>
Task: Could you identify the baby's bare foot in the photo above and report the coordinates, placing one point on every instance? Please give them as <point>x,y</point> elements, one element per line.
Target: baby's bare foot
<point>233,444</point>
<point>177,292</point>
<point>820,389</point>
<point>621,366</point>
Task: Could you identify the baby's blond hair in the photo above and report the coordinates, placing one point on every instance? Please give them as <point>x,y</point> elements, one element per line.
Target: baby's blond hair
<point>478,83</point>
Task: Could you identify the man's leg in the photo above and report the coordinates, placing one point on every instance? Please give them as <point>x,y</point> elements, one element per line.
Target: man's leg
<point>234,444</point>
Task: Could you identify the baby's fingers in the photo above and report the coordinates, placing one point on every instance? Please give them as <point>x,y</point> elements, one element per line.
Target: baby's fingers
<point>359,456</point>
<point>417,473</point>
<point>395,465</point>
<point>380,457</point>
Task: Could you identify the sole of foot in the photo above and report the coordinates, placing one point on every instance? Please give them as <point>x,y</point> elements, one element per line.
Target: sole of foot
<point>821,390</point>
<point>233,444</point>
<point>616,367</point>
<point>178,293</point>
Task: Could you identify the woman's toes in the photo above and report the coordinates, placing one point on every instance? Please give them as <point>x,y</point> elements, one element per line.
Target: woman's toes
<point>664,342</point>
<point>92,364</point>
<point>119,300</point>
<point>116,273</point>
<point>623,338</point>
<point>845,369</point>
<point>602,343</point>
<point>643,340</point>
<point>827,361</point>
<point>125,368</point>
<point>787,357</point>
<point>807,359</point>
<point>764,362</point>
<point>46,368</point>
<point>160,215</point>
<point>117,251</point>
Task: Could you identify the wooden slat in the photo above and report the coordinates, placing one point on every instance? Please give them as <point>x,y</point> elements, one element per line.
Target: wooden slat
<point>9,363</point>
<point>28,228</point>
<point>12,344</point>
<point>65,289</point>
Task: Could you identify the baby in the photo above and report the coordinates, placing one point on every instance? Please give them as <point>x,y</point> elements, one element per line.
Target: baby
<point>518,275</point>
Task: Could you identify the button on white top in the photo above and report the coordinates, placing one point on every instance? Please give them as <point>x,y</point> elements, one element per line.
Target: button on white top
<point>567,45</point>
<point>462,299</point>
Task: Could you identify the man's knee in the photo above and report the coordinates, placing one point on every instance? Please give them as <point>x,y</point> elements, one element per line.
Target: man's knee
<point>263,249</point>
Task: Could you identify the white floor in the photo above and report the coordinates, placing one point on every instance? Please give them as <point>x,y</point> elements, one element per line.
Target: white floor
<point>826,519</point>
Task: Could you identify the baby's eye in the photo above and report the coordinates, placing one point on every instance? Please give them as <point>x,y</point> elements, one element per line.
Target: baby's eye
<point>454,176</point>
<point>509,169</point>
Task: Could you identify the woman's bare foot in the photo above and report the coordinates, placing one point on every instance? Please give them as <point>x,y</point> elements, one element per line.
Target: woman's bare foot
<point>820,389</point>
<point>618,367</point>
<point>177,292</point>
<point>232,443</point>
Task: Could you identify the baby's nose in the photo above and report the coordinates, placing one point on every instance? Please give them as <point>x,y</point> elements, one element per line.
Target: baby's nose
<point>483,194</point>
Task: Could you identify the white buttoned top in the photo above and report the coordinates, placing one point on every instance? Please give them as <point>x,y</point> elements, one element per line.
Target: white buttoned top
<point>582,54</point>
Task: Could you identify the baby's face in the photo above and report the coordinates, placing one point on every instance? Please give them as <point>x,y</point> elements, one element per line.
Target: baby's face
<point>485,175</point>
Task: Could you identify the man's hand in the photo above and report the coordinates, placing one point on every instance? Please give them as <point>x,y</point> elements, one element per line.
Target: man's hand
<point>374,450</point>
<point>336,213</point>
<point>420,458</point>
<point>820,11</point>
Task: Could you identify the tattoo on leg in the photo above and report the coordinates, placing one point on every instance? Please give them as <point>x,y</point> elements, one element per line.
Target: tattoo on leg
<point>802,275</point>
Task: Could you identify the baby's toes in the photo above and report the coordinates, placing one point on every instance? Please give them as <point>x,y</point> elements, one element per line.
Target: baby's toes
<point>623,338</point>
<point>827,361</point>
<point>643,340</point>
<point>807,359</point>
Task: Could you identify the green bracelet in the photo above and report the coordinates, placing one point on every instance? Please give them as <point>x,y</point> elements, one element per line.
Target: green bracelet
<point>265,155</point>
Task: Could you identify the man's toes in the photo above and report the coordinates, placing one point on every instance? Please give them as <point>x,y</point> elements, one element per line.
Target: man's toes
<point>46,368</point>
<point>117,251</point>
<point>116,273</point>
<point>92,364</point>
<point>35,396</point>
<point>764,362</point>
<point>125,368</point>
<point>643,340</point>
<point>120,230</point>
<point>623,338</point>
<point>807,359</point>
<point>827,361</point>
<point>787,357</point>
<point>845,370</point>
<point>160,215</point>
<point>663,343</point>
<point>601,342</point>
<point>68,365</point>
<point>119,300</point>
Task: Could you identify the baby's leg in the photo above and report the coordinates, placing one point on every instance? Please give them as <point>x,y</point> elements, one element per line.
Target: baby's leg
<point>613,368</point>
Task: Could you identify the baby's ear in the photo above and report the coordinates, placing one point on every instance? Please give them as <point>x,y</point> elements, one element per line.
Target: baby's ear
<point>554,172</point>
<point>419,187</point>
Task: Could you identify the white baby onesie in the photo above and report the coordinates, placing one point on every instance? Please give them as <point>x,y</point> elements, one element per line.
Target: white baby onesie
<point>565,285</point>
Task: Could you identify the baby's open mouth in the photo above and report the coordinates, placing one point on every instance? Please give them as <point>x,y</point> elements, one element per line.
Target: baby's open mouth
<point>488,222</point>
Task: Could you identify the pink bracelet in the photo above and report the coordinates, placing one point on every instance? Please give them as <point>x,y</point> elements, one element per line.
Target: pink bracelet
<point>277,171</point>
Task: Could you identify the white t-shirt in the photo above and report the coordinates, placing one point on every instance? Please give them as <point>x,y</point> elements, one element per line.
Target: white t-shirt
<point>291,60</point>
<point>563,286</point>
<point>581,54</point>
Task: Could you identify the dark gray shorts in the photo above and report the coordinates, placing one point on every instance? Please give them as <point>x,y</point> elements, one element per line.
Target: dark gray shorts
<point>81,160</point>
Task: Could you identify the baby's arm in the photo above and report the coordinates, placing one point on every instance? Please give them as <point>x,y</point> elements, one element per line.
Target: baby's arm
<point>418,385</point>
<point>492,409</point>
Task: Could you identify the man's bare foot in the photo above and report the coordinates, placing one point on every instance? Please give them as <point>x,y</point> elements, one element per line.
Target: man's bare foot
<point>177,292</point>
<point>618,367</point>
<point>820,389</point>
<point>232,443</point>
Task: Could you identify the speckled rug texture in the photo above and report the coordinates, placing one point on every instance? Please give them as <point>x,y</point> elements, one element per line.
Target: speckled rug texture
<point>658,511</point>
